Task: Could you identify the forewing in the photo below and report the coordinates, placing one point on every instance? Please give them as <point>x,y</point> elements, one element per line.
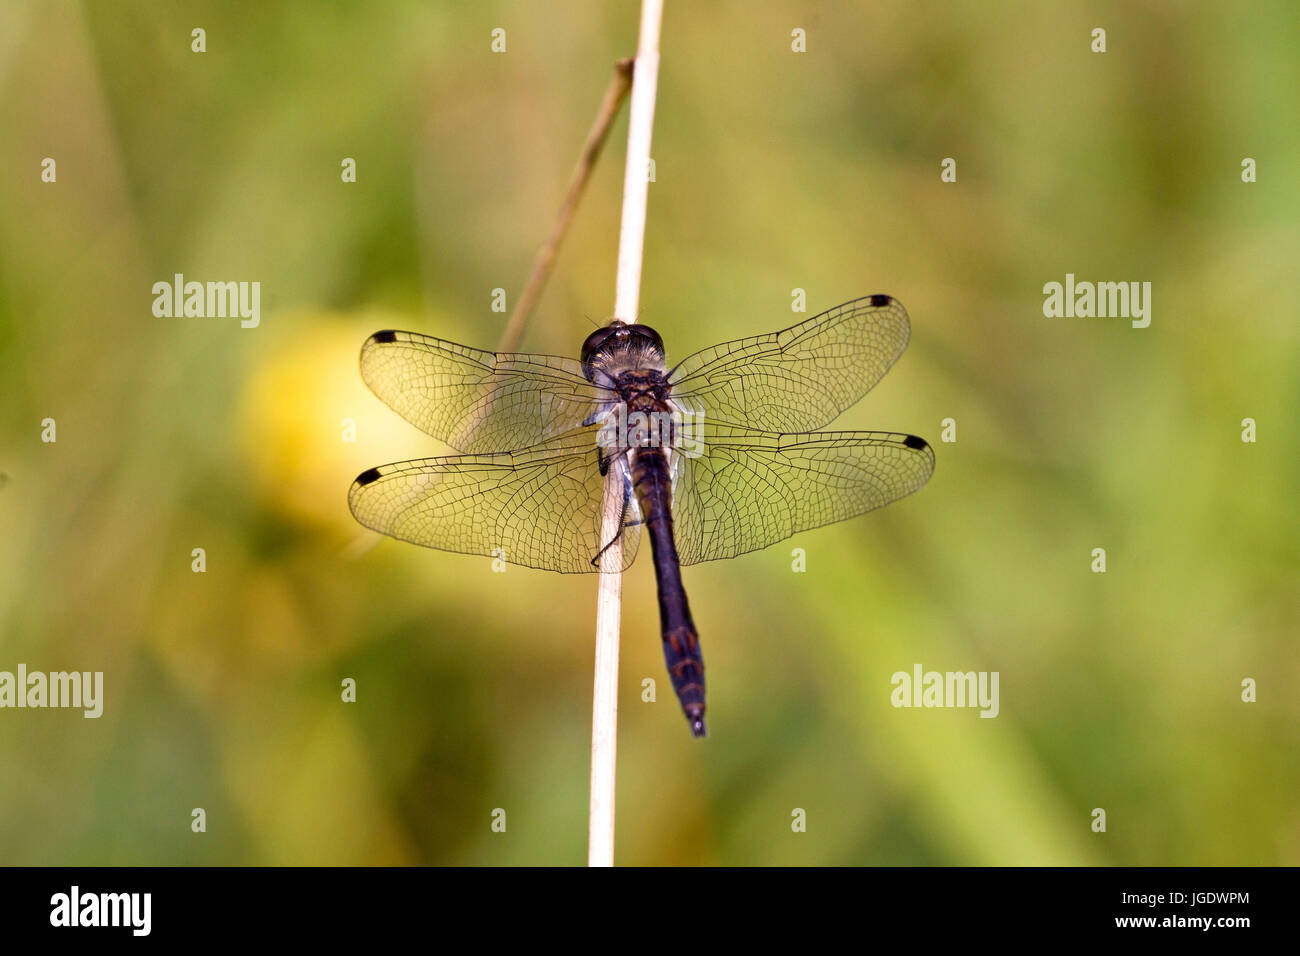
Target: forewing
<point>801,378</point>
<point>473,400</point>
<point>752,489</point>
<point>539,508</point>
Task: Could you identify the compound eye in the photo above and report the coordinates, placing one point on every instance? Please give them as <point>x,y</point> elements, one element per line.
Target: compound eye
<point>601,337</point>
<point>649,335</point>
<point>593,343</point>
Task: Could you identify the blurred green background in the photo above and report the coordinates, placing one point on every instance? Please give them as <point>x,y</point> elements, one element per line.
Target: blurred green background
<point>774,171</point>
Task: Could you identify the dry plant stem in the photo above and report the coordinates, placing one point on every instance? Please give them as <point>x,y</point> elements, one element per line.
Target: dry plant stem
<point>604,713</point>
<point>615,93</point>
<point>544,261</point>
<point>636,184</point>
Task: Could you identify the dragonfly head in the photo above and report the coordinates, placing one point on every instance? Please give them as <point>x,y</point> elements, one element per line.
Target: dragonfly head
<point>618,344</point>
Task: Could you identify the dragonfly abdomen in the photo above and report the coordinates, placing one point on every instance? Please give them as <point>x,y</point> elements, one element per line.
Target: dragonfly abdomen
<point>652,484</point>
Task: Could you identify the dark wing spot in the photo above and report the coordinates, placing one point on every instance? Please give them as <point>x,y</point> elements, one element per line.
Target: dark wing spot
<point>911,441</point>
<point>880,301</point>
<point>388,335</point>
<point>366,477</point>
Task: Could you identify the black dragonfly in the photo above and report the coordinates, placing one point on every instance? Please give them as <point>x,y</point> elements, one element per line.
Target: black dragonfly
<point>716,456</point>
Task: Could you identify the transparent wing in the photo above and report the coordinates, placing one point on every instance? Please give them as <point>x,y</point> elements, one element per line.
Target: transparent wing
<point>473,400</point>
<point>540,507</point>
<point>751,489</point>
<point>799,379</point>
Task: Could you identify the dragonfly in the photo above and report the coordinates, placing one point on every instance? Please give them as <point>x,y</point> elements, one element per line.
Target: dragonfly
<point>714,457</point>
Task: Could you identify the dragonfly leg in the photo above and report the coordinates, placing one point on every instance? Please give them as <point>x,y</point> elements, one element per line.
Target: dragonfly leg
<point>614,541</point>
<point>627,501</point>
<point>603,460</point>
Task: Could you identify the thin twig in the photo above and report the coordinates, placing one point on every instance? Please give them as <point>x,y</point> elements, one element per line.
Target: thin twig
<point>636,185</point>
<point>543,262</point>
<point>619,84</point>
